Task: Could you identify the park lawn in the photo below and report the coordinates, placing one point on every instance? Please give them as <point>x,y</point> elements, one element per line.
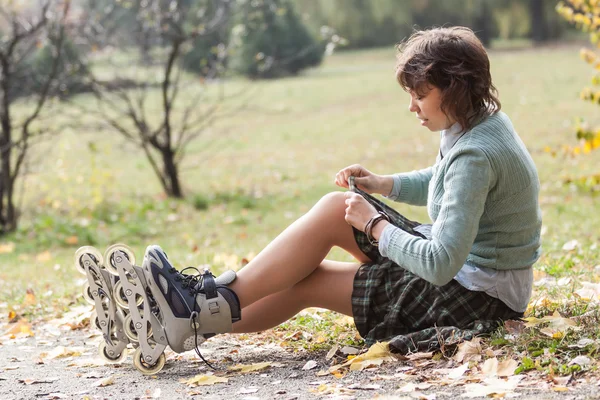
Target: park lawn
<point>252,173</point>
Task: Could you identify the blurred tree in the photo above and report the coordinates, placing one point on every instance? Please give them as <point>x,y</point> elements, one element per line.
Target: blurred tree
<point>23,28</point>
<point>585,14</point>
<point>271,41</point>
<point>537,13</point>
<point>162,131</point>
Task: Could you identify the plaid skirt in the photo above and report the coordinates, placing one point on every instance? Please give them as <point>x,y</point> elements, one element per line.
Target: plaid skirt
<point>392,304</point>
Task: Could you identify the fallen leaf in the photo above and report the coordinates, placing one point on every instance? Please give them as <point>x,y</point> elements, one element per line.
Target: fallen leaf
<point>248,390</point>
<point>6,248</point>
<point>30,299</point>
<point>507,367</point>
<point>43,257</point>
<point>21,327</point>
<point>349,350</point>
<point>109,380</point>
<point>332,352</point>
<point>420,356</point>
<point>571,245</point>
<point>583,361</point>
<point>204,380</point>
<point>469,351</point>
<point>30,381</point>
<point>458,372</point>
<point>72,240</point>
<point>250,368</point>
<point>310,365</point>
<point>514,327</point>
<point>492,386</point>
<point>62,352</point>
<point>375,356</point>
<point>557,324</point>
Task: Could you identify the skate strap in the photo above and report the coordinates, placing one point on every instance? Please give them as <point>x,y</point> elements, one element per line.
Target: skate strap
<point>209,285</point>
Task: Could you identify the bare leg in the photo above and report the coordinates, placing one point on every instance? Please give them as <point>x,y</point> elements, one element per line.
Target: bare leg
<point>297,252</point>
<point>328,286</point>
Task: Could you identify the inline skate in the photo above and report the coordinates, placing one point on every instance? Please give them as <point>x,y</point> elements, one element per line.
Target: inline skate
<point>171,308</point>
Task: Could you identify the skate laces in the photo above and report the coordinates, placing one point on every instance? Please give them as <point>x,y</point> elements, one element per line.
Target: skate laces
<point>189,281</point>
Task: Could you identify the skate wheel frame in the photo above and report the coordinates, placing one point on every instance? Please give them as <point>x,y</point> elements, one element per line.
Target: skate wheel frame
<point>110,253</point>
<point>146,368</point>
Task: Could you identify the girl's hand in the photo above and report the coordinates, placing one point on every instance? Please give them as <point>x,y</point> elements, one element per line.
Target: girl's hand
<point>364,179</point>
<point>358,210</point>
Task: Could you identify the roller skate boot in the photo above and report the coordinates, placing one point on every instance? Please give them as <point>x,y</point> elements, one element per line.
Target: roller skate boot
<point>190,307</point>
<point>108,316</point>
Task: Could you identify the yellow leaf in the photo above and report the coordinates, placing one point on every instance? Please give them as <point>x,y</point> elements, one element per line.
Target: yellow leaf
<point>29,298</point>
<point>375,356</point>
<point>21,327</point>
<point>250,368</point>
<point>63,352</point>
<point>7,247</point>
<point>43,257</point>
<point>72,240</point>
<point>205,380</point>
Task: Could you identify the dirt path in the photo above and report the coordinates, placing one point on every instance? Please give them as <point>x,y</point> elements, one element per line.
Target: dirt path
<point>59,364</point>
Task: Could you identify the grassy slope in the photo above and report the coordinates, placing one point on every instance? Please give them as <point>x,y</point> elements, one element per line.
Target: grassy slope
<point>264,166</point>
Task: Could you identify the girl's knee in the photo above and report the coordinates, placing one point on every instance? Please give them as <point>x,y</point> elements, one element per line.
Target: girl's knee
<point>333,201</point>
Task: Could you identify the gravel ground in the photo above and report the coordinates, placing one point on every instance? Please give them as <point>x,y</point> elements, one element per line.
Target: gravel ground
<point>28,371</point>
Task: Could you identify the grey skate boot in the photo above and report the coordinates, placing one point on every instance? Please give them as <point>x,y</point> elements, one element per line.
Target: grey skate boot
<point>191,307</point>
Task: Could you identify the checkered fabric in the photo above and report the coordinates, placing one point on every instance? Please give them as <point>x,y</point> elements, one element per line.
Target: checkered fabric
<point>392,304</point>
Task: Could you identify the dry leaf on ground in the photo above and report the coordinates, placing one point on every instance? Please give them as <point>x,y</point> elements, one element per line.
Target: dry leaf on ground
<point>109,380</point>
<point>204,380</point>
<point>469,351</point>
<point>250,367</point>
<point>375,356</point>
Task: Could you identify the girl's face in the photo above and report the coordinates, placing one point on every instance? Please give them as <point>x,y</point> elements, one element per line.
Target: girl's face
<point>426,105</point>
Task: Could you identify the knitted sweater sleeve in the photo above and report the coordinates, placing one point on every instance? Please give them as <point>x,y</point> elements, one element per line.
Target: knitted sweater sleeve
<point>466,182</point>
<point>413,186</point>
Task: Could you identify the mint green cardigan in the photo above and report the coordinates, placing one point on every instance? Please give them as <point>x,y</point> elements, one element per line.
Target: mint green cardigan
<point>482,198</point>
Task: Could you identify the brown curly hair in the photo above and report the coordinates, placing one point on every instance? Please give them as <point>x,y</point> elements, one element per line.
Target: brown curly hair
<point>453,60</point>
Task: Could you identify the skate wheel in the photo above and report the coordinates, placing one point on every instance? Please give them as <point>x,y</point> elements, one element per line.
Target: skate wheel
<point>144,367</point>
<point>87,294</point>
<point>94,321</point>
<point>120,297</point>
<point>110,253</point>
<point>107,357</point>
<point>87,250</point>
<point>131,332</point>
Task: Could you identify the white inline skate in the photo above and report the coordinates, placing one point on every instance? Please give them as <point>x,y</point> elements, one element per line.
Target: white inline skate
<point>171,308</point>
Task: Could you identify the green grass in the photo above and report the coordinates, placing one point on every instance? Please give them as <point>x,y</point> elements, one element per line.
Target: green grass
<point>251,174</point>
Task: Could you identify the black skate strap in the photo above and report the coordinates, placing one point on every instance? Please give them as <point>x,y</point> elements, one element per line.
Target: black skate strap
<point>209,286</point>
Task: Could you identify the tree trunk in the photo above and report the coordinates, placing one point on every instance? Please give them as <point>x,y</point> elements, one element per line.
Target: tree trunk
<point>8,216</point>
<point>171,183</point>
<point>483,23</point>
<point>539,33</point>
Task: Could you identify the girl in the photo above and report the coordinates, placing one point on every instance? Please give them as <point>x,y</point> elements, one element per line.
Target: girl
<point>412,285</point>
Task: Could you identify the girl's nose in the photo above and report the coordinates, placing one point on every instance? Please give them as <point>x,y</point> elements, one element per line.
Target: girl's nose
<point>412,106</point>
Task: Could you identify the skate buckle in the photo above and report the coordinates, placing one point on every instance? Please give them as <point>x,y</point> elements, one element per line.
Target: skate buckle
<point>213,307</point>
